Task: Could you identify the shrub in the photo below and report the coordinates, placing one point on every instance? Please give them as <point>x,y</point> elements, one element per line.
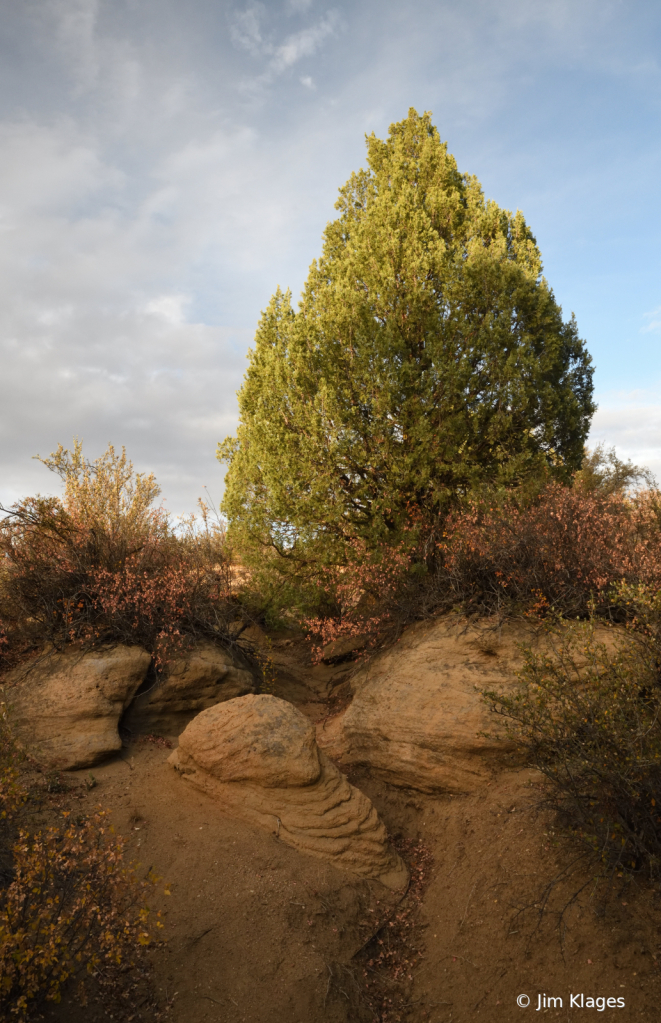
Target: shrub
<point>72,909</point>
<point>102,564</point>
<point>589,721</point>
<point>560,553</point>
<point>359,598</point>
<point>12,792</point>
<point>69,906</point>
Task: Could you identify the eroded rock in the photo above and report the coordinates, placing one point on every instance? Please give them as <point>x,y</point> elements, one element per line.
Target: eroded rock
<point>416,714</point>
<point>65,706</point>
<point>257,757</point>
<point>417,717</point>
<point>204,677</point>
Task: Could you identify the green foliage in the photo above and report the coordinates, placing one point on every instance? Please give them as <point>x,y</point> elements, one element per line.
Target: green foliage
<point>603,473</point>
<point>428,359</point>
<point>588,717</point>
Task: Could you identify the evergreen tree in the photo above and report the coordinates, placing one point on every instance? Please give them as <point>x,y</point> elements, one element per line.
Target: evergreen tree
<point>428,358</point>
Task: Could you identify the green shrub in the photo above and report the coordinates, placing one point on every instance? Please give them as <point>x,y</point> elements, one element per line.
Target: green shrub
<point>589,719</point>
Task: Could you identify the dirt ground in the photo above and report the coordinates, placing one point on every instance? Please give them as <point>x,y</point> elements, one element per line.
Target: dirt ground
<point>255,932</point>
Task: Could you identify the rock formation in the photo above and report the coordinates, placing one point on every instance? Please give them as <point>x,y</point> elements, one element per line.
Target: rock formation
<point>206,676</point>
<point>417,715</point>
<point>416,712</point>
<point>65,706</point>
<point>257,757</point>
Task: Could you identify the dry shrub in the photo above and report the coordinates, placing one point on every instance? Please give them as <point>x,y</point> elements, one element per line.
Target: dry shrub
<point>70,908</point>
<point>358,597</point>
<point>589,720</point>
<point>102,564</point>
<point>12,792</point>
<point>560,553</point>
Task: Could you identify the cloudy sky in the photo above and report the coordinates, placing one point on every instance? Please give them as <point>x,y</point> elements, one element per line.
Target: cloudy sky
<point>166,165</point>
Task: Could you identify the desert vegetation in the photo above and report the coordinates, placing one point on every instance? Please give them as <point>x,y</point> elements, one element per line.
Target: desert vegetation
<point>72,911</point>
<point>589,719</point>
<point>411,444</point>
<point>428,361</point>
<point>102,564</point>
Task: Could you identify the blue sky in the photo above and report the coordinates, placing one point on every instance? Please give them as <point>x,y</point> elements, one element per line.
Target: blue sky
<point>165,166</point>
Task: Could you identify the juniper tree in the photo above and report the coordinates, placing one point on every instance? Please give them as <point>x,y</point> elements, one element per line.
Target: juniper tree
<point>427,358</point>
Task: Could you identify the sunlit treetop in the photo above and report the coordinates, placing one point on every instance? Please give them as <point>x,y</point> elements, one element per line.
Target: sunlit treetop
<point>428,358</point>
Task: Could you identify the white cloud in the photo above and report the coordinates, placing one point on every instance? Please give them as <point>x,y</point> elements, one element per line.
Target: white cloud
<point>631,422</point>
<point>653,324</point>
<point>73,24</point>
<point>246,28</point>
<point>99,332</point>
<point>248,33</point>
<point>304,43</point>
<point>169,307</point>
<point>46,167</point>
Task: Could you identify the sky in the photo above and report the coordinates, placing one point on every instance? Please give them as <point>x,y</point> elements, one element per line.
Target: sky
<point>165,166</point>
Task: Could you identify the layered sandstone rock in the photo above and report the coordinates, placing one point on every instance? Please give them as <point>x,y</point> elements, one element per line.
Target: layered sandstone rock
<point>65,706</point>
<point>417,715</point>
<point>257,757</point>
<point>204,677</point>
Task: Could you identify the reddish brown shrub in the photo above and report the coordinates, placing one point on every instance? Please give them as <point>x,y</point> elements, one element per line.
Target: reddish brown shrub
<point>103,565</point>
<point>561,553</point>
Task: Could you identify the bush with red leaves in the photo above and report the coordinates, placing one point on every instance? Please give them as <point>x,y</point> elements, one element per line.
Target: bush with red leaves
<point>102,565</point>
<point>563,552</point>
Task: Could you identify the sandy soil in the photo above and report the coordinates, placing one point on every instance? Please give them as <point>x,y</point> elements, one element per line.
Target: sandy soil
<point>257,933</point>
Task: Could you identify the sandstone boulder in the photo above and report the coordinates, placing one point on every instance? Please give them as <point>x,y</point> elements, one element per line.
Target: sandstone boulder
<point>204,677</point>
<point>416,714</point>
<point>256,756</point>
<point>345,649</point>
<point>65,706</point>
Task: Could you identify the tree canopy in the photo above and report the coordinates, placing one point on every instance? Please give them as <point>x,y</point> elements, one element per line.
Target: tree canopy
<point>428,358</point>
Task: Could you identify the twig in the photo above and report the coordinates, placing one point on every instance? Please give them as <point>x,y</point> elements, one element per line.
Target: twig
<point>455,956</point>
<point>467,905</point>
